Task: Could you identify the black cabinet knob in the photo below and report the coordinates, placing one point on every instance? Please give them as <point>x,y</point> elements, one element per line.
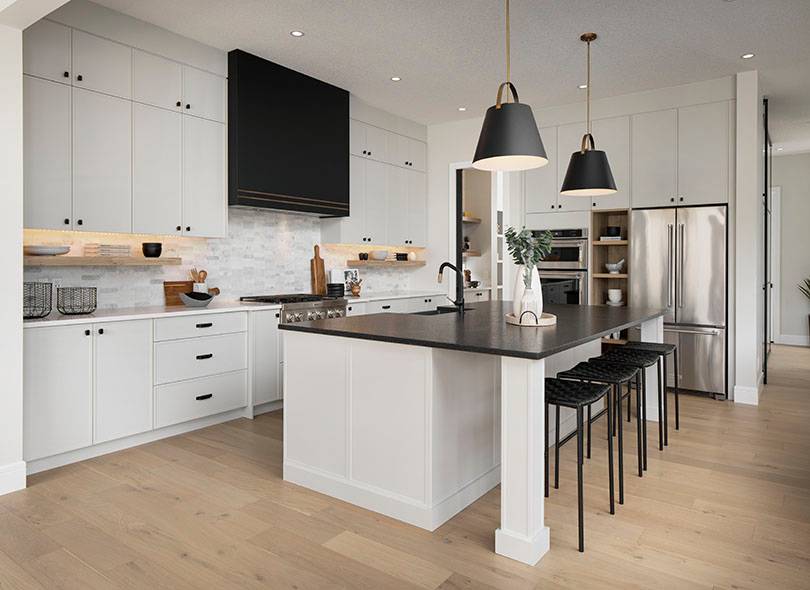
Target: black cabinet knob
<point>350,308</point>
<point>552,206</point>
<point>87,332</point>
<point>681,199</point>
<point>67,221</point>
<point>79,78</point>
<point>101,330</point>
<point>188,106</point>
<point>594,204</point>
<point>559,206</point>
<point>80,222</point>
<point>188,228</point>
<point>179,228</point>
<point>66,74</point>
<point>672,199</point>
<point>364,152</point>
<point>178,104</point>
<point>278,314</point>
<point>369,153</point>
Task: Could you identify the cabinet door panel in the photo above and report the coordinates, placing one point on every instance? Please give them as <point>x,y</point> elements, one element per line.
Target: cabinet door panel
<point>613,137</point>
<point>266,358</point>
<point>102,162</point>
<point>569,140</point>
<point>156,80</point>
<point>204,196</point>
<point>376,143</point>
<point>398,230</point>
<point>157,197</point>
<point>417,208</point>
<point>376,202</point>
<point>46,51</point>
<point>46,128</point>
<point>417,154</point>
<point>57,390</point>
<point>541,186</point>
<point>353,226</point>
<point>703,142</point>
<point>203,94</point>
<point>104,66</point>
<point>357,138</point>
<point>123,379</point>
<point>654,155</point>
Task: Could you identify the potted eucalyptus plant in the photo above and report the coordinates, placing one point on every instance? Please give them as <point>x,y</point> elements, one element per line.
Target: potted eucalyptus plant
<point>526,251</point>
<point>805,289</point>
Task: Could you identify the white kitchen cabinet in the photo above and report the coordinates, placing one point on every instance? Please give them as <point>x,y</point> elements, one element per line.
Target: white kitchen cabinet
<point>654,153</point>
<point>569,140</point>
<point>123,384</point>
<point>157,196</point>
<point>417,154</point>
<point>204,196</point>
<point>476,295</point>
<point>425,303</point>
<point>198,398</point>
<point>613,137</point>
<point>703,154</point>
<point>375,197</point>
<point>368,141</point>
<point>405,152</point>
<point>57,390</point>
<point>102,162</point>
<point>47,169</point>
<point>178,360</point>
<point>101,65</point>
<point>417,208</point>
<point>541,185</point>
<point>388,306</point>
<point>203,94</point>
<point>265,357</point>
<point>46,51</point>
<point>156,81</point>
<point>355,309</point>
<point>398,205</point>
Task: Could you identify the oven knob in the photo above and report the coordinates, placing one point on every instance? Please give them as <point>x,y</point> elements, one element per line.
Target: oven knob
<point>339,313</point>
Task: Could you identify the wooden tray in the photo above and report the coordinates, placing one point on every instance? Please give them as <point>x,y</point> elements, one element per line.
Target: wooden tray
<point>546,319</point>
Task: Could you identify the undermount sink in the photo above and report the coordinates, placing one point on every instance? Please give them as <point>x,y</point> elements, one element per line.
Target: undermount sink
<point>440,311</point>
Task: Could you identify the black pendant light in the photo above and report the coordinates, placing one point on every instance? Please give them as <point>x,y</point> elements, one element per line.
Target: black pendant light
<point>588,173</point>
<point>509,139</point>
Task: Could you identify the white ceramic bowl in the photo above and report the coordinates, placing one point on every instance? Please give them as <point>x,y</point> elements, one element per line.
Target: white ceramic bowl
<point>614,295</point>
<point>378,254</point>
<point>615,267</point>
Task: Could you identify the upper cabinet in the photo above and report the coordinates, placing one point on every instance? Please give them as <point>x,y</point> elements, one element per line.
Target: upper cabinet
<point>613,137</point>
<point>367,141</point>
<point>102,65</point>
<point>541,185</point>
<point>106,148</point>
<point>655,158</point>
<point>46,51</point>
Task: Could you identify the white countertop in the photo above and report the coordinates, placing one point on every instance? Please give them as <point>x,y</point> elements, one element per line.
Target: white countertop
<point>163,311</point>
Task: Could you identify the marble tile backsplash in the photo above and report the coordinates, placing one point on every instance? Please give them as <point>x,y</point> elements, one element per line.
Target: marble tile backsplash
<point>266,252</point>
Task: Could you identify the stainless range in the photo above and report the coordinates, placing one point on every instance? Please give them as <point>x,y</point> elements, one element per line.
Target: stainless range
<point>301,307</point>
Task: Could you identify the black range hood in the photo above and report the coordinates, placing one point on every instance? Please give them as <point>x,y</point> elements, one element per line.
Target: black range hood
<point>288,139</point>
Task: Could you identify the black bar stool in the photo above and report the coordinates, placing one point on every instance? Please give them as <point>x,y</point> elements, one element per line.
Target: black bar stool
<point>663,349</point>
<point>640,359</point>
<point>576,395</point>
<point>615,376</point>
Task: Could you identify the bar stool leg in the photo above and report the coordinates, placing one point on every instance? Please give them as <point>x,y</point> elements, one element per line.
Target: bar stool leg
<point>629,405</point>
<point>677,386</point>
<point>556,447</point>
<point>666,403</point>
<point>638,426</point>
<point>641,382</point>
<point>589,431</point>
<point>610,416</point>
<point>660,406</point>
<point>545,453</point>
<point>580,507</point>
<point>618,389</point>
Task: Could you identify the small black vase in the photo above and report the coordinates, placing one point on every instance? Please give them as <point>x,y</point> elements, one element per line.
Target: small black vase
<point>152,249</point>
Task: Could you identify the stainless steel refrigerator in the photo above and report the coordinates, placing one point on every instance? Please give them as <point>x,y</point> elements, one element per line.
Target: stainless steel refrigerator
<point>678,262</point>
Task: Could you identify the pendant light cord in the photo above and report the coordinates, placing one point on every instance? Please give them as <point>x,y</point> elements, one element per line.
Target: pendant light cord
<point>588,90</point>
<point>508,52</point>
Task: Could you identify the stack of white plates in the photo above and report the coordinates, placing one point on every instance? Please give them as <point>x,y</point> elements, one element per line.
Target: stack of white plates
<point>107,250</point>
<point>45,250</point>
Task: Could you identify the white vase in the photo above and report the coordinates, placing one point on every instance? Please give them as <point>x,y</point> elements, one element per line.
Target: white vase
<point>520,289</point>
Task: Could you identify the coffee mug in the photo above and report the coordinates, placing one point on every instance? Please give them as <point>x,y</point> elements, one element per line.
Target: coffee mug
<point>614,295</point>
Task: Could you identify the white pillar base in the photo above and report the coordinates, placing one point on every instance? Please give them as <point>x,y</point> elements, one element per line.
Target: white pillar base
<point>12,477</point>
<point>521,548</point>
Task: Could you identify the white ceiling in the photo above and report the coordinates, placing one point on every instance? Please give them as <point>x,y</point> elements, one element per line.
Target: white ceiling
<point>450,53</point>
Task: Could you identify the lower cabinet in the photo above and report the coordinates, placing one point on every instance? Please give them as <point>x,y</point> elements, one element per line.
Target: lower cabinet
<point>197,398</point>
<point>265,357</point>
<point>476,295</point>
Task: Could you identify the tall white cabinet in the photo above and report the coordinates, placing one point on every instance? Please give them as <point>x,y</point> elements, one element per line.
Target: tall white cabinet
<point>120,140</point>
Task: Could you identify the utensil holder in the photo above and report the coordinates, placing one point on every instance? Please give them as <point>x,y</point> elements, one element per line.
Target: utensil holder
<point>76,300</point>
<point>36,300</point>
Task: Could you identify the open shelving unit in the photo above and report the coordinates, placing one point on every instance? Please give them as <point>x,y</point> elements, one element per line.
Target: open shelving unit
<point>99,261</point>
<point>384,263</point>
<point>603,252</point>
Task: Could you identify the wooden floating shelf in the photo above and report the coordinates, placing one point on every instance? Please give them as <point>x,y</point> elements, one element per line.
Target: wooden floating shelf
<point>607,275</point>
<point>472,253</point>
<point>385,263</point>
<point>99,261</point>
<point>610,242</point>
<point>471,220</point>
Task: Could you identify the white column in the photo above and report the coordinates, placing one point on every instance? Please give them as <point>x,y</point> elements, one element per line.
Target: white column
<point>522,535</point>
<point>652,331</point>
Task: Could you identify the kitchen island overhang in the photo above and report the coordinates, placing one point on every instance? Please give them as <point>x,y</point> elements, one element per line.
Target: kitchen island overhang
<point>416,417</point>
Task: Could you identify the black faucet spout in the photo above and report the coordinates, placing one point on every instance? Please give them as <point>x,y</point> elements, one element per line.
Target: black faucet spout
<point>459,302</point>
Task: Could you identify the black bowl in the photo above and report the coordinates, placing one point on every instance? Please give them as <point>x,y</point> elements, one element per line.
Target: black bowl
<point>152,249</point>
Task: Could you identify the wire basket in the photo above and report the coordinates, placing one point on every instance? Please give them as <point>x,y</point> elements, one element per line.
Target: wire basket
<point>76,300</point>
<point>36,300</point>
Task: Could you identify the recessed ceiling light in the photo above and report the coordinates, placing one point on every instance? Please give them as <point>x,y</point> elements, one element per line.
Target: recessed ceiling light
<point>297,33</point>
<point>395,78</point>
<point>582,86</point>
<point>748,55</point>
<point>462,109</point>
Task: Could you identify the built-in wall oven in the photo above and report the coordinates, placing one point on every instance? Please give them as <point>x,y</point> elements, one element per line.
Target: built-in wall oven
<point>569,250</point>
<point>564,286</point>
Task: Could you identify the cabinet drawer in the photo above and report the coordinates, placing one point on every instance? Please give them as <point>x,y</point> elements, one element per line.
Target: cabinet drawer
<point>199,357</point>
<point>188,400</point>
<point>477,295</point>
<point>200,325</point>
<point>387,306</point>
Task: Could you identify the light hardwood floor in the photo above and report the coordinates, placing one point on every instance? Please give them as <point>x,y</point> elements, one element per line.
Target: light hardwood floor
<point>727,505</point>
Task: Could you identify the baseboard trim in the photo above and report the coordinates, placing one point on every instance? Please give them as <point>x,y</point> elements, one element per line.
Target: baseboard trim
<point>746,395</point>
<point>268,407</point>
<point>792,340</point>
<point>12,477</point>
<point>120,444</point>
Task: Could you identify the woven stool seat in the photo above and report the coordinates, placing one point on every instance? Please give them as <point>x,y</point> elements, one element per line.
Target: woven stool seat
<point>627,356</point>
<point>604,372</point>
<point>573,394</point>
<point>657,347</point>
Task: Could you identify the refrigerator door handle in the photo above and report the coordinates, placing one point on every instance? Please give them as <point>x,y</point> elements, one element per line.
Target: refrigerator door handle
<point>679,266</point>
<point>696,331</point>
<point>670,240</point>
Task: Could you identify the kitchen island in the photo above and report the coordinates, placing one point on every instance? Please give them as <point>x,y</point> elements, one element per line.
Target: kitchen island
<point>417,416</point>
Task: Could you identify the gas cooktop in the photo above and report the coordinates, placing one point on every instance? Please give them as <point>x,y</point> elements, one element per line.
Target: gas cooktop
<point>288,298</point>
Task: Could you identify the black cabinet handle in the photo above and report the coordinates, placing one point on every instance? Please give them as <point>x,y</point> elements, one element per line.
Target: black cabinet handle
<point>672,199</point>
<point>101,330</point>
<point>681,199</point>
<point>80,222</point>
<point>559,206</point>
<point>66,74</point>
<point>178,104</point>
<point>386,307</point>
<point>364,152</point>
<point>278,315</point>
<point>594,204</point>
<point>188,228</point>
<point>79,78</point>
<point>205,325</point>
<point>188,106</point>
<point>552,206</point>
<point>200,398</point>
<point>203,357</point>
<point>67,221</point>
<point>369,153</point>
<point>179,228</point>
<point>350,308</point>
<point>87,332</point>
<point>478,294</point>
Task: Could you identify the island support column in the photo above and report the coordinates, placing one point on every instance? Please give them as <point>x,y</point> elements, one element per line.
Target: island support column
<point>522,535</point>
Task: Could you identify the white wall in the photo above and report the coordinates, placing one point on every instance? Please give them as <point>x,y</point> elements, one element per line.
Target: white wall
<point>792,174</point>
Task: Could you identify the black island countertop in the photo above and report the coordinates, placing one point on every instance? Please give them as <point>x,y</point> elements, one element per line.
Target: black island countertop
<point>484,330</point>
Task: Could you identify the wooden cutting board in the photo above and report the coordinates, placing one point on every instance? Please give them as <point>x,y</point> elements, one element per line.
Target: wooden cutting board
<point>318,273</point>
<point>172,290</point>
